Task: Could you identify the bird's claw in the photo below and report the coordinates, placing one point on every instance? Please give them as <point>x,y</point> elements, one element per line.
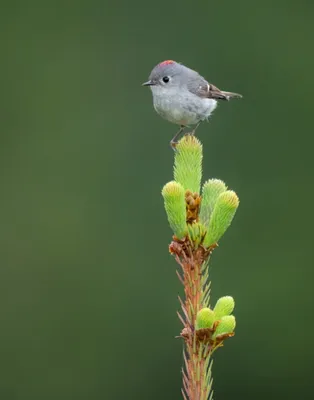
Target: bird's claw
<point>173,145</point>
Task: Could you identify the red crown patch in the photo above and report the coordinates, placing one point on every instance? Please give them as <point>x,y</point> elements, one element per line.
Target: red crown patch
<point>167,62</point>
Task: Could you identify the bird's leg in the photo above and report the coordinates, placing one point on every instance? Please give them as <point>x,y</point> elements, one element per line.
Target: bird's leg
<point>174,141</point>
<point>197,125</point>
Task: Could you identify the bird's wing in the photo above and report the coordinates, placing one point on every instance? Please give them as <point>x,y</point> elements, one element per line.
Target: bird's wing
<point>206,90</point>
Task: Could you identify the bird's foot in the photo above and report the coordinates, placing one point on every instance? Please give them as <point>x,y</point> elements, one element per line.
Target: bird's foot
<point>174,141</point>
<point>173,145</point>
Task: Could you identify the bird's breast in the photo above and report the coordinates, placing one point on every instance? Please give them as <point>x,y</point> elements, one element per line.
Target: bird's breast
<point>182,107</point>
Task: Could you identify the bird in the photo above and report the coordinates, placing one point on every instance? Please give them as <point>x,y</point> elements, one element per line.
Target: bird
<point>182,96</point>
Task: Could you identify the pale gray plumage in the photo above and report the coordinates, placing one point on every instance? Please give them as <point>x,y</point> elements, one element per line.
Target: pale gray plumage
<point>182,96</point>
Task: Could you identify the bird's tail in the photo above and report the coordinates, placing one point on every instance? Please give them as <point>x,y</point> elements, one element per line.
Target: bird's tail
<point>230,95</point>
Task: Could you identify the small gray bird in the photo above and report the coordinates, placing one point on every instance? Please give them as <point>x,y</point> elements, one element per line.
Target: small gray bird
<point>182,96</point>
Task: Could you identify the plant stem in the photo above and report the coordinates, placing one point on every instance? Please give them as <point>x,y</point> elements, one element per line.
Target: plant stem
<point>193,262</point>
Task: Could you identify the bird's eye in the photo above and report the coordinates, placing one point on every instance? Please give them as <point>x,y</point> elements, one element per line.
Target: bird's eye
<point>166,79</point>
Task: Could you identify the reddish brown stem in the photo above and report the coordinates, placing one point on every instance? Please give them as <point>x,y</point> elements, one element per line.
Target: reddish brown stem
<point>196,352</point>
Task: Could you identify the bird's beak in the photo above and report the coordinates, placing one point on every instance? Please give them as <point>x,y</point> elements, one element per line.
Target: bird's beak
<point>148,83</point>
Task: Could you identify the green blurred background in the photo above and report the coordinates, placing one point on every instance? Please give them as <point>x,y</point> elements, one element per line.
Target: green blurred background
<point>88,291</point>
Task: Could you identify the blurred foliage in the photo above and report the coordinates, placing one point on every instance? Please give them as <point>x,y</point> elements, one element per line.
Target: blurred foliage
<point>84,257</point>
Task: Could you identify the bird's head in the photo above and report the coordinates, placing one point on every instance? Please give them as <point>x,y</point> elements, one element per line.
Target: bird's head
<point>165,75</point>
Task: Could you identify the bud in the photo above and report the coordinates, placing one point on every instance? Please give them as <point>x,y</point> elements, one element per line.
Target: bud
<point>226,325</point>
<point>211,190</point>
<point>222,216</point>
<point>205,318</point>
<point>174,199</point>
<point>196,232</point>
<point>188,163</point>
<point>223,307</point>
